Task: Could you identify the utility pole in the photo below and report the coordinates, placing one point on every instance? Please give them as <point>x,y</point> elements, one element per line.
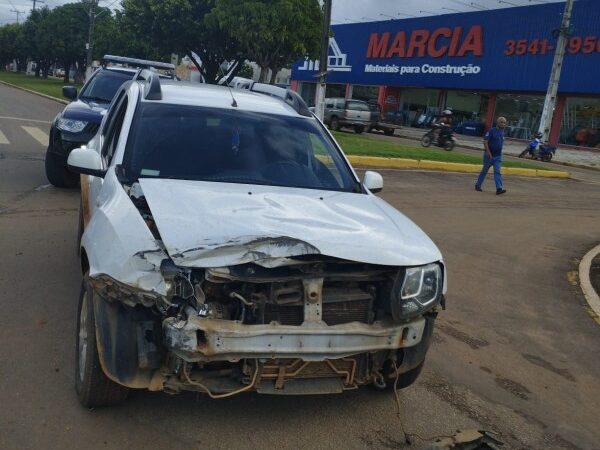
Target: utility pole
<point>90,42</point>
<point>18,13</point>
<point>321,85</point>
<point>37,1</point>
<point>559,55</point>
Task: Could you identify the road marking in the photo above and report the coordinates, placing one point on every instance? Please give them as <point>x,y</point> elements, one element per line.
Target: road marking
<point>3,139</point>
<point>37,134</point>
<point>24,119</point>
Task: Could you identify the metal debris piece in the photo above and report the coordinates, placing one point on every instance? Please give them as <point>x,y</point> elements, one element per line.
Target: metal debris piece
<point>468,440</point>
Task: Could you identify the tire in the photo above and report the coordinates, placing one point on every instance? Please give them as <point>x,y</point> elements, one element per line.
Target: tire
<point>449,146</point>
<point>388,132</point>
<point>358,129</point>
<point>334,124</point>
<point>58,174</point>
<point>404,380</point>
<point>549,157</point>
<point>93,387</point>
<point>426,140</point>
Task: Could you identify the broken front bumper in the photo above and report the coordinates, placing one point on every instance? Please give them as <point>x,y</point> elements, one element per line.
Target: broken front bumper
<point>201,339</point>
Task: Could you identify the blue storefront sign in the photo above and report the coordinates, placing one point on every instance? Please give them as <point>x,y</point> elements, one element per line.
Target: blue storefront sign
<point>499,50</point>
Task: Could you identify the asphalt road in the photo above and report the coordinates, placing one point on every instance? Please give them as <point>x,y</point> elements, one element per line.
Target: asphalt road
<point>516,351</point>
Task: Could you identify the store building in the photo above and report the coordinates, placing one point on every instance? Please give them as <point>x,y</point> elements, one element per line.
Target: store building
<point>479,64</point>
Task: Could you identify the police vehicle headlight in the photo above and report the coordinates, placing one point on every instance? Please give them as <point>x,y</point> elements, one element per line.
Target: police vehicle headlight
<point>72,126</point>
<point>418,290</point>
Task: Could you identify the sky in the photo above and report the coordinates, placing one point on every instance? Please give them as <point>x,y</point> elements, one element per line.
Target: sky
<point>344,11</point>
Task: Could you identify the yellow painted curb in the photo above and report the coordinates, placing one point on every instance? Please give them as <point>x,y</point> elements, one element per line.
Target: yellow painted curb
<point>401,163</point>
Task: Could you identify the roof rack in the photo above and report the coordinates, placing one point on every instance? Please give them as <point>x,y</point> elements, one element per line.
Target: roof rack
<point>139,63</point>
<point>287,95</point>
<point>152,90</point>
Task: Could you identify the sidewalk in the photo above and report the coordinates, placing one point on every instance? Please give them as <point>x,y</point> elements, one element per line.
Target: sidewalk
<point>585,158</point>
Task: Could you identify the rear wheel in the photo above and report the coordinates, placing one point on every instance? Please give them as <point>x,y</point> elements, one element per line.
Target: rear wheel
<point>57,173</point>
<point>93,387</point>
<point>426,140</point>
<point>334,124</point>
<point>388,132</point>
<point>449,145</point>
<point>358,129</point>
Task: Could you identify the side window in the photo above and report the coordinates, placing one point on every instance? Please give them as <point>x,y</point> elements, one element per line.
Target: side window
<point>328,103</point>
<point>113,128</point>
<point>110,112</point>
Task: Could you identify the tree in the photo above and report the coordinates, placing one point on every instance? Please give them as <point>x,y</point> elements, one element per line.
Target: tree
<point>10,48</point>
<point>272,33</point>
<point>178,26</point>
<point>66,31</point>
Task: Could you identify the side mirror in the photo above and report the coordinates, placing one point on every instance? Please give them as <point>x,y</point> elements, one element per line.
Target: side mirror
<point>373,181</point>
<point>70,92</point>
<point>86,161</point>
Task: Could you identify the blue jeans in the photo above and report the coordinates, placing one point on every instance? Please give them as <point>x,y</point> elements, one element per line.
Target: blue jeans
<point>495,161</point>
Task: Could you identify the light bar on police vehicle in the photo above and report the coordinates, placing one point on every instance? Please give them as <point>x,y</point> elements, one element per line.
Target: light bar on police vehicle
<point>139,63</point>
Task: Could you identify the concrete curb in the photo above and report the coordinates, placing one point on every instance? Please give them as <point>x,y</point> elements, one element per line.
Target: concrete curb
<point>478,147</point>
<point>49,97</point>
<point>400,163</point>
<point>591,296</point>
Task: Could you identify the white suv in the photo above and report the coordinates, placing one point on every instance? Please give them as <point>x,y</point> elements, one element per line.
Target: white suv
<point>227,245</point>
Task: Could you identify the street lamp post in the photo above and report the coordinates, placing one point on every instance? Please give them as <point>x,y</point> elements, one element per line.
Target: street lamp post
<point>559,55</point>
<point>321,85</point>
<point>90,42</point>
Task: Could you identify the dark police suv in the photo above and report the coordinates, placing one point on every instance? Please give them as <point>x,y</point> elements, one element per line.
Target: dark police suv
<point>80,119</point>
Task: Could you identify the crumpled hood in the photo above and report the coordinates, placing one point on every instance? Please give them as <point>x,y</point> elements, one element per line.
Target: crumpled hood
<point>206,224</point>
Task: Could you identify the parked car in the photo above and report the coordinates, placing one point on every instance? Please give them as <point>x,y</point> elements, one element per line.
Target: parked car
<point>228,246</point>
<point>78,122</point>
<point>378,123</point>
<point>341,112</point>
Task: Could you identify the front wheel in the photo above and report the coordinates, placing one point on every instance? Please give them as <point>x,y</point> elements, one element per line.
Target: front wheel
<point>388,132</point>
<point>92,385</point>
<point>358,129</point>
<point>449,145</point>
<point>57,173</point>
<point>426,140</point>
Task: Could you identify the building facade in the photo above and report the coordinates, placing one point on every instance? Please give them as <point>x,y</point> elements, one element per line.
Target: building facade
<point>479,64</point>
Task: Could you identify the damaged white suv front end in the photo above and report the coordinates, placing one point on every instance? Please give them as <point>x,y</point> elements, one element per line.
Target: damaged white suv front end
<point>247,256</point>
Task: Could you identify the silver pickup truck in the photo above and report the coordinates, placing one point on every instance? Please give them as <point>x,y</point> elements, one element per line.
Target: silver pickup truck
<point>341,112</point>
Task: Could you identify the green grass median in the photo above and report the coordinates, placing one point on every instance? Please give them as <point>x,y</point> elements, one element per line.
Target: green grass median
<point>49,86</point>
<point>364,145</point>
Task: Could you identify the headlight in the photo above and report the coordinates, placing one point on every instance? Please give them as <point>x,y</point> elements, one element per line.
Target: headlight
<point>419,290</point>
<point>73,126</point>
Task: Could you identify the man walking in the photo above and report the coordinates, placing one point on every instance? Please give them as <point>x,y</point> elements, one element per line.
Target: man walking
<point>493,142</point>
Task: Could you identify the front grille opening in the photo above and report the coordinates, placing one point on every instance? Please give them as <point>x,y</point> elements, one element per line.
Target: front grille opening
<point>340,305</point>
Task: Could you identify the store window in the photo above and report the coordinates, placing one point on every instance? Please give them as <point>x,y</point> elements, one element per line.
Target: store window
<point>467,106</point>
<point>523,113</point>
<point>335,90</point>
<point>308,91</point>
<point>581,122</point>
<point>419,106</point>
<point>365,93</point>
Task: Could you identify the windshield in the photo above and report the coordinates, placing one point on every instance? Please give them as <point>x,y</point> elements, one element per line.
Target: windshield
<point>232,146</point>
<point>104,85</point>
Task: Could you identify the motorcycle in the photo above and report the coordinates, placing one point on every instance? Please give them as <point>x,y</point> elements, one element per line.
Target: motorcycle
<point>447,142</point>
<point>541,152</point>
